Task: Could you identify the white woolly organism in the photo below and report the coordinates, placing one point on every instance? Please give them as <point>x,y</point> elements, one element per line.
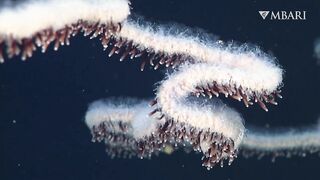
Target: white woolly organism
<point>178,116</point>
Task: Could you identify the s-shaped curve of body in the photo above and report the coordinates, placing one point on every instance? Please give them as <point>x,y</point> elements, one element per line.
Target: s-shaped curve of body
<point>180,114</point>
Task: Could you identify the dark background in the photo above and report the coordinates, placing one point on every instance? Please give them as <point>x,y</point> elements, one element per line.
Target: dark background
<point>43,101</point>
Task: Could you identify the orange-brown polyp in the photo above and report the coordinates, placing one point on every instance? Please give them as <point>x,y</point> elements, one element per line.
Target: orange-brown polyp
<point>119,141</point>
<point>107,33</point>
<point>10,47</point>
<point>238,93</point>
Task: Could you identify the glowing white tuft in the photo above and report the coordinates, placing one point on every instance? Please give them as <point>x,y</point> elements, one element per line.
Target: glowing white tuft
<point>128,111</point>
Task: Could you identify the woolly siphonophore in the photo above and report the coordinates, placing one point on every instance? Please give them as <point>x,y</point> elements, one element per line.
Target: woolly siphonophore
<point>186,111</point>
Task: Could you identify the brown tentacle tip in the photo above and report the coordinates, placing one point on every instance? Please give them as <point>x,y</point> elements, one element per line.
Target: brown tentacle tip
<point>238,93</point>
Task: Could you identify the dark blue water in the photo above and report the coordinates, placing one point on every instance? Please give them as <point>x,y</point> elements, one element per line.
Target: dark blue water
<point>43,101</point>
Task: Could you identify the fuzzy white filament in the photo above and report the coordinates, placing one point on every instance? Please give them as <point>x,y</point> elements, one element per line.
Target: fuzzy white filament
<point>289,140</point>
<point>203,66</point>
<point>267,76</point>
<point>33,16</point>
<point>267,141</point>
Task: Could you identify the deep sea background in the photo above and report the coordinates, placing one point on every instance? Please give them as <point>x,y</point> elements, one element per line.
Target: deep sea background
<point>43,100</point>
